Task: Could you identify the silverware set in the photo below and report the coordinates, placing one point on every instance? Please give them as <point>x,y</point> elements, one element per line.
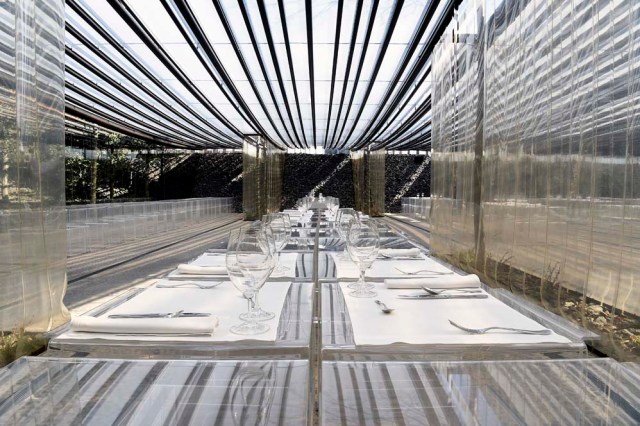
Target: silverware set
<point>177,314</point>
<point>421,271</point>
<point>202,284</point>
<point>542,332</point>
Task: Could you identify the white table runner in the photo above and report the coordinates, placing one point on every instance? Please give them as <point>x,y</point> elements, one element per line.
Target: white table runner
<point>418,321</point>
<point>225,302</point>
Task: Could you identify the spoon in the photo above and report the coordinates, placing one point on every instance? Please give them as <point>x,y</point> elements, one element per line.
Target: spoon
<point>385,308</point>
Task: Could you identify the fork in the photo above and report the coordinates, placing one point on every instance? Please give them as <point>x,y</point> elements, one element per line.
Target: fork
<point>484,330</point>
<point>420,271</point>
<point>190,284</point>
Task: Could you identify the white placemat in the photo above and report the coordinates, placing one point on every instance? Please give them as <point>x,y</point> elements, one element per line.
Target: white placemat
<point>386,268</point>
<point>418,321</point>
<point>225,302</point>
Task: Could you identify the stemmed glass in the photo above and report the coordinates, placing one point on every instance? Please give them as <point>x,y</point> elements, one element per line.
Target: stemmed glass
<point>363,243</point>
<point>281,230</point>
<point>344,217</point>
<point>254,259</point>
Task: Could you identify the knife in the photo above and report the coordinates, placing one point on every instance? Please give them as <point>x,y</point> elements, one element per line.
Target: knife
<point>442,296</point>
<point>163,315</point>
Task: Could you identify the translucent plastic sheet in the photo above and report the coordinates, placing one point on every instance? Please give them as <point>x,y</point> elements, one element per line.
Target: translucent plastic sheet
<point>535,172</point>
<point>262,167</point>
<point>32,214</point>
<point>368,181</point>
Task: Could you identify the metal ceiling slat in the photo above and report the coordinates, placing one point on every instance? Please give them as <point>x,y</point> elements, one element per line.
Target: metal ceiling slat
<point>312,84</point>
<point>134,22</point>
<point>334,69</point>
<point>112,96</point>
<point>99,28</point>
<point>365,46</point>
<point>287,45</point>
<point>187,23</point>
<point>423,58</point>
<point>276,67</point>
<point>425,19</point>
<point>391,25</point>
<point>263,69</point>
<point>409,122</point>
<point>352,43</point>
<point>122,113</point>
<point>243,63</point>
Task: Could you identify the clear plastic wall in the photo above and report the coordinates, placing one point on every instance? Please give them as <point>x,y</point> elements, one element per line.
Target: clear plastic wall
<point>536,138</point>
<point>262,172</point>
<point>32,205</point>
<point>93,227</point>
<point>369,181</point>
<point>417,208</point>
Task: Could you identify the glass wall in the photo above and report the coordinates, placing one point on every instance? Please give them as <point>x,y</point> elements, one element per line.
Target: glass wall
<point>536,138</point>
<point>369,181</point>
<point>32,207</point>
<point>262,169</point>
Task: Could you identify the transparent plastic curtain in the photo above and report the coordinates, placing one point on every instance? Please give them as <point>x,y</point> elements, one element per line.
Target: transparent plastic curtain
<point>536,135</point>
<point>368,181</point>
<point>32,204</point>
<point>262,170</point>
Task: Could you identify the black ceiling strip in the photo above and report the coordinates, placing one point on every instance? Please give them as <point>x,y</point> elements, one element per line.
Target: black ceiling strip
<point>287,45</point>
<point>245,68</point>
<point>422,142</point>
<point>401,139</point>
<point>87,112</point>
<point>120,112</point>
<point>107,77</point>
<point>263,69</point>
<point>336,51</point>
<point>111,95</point>
<point>99,28</point>
<point>401,108</point>
<point>122,89</point>
<point>419,64</point>
<point>391,25</point>
<point>276,65</point>
<point>425,19</point>
<point>192,31</point>
<point>312,84</point>
<point>354,36</point>
<point>73,112</point>
<point>409,122</point>
<point>363,55</point>
<point>147,38</point>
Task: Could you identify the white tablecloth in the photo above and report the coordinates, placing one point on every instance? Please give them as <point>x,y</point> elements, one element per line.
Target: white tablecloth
<point>418,321</point>
<point>225,302</point>
<point>386,268</point>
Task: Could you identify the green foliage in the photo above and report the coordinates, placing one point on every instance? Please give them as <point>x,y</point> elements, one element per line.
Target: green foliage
<point>19,343</point>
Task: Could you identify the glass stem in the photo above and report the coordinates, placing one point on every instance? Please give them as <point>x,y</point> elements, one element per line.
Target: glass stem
<point>362,273</point>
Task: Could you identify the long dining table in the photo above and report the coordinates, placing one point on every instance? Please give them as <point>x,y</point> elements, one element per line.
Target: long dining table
<point>325,350</point>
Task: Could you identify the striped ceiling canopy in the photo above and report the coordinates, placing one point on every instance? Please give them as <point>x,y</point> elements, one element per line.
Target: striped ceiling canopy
<point>332,74</point>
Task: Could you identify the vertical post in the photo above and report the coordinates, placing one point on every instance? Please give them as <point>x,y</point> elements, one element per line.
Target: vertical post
<point>478,223</point>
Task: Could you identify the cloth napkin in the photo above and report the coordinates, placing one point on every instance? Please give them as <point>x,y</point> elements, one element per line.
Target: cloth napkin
<point>203,325</point>
<point>440,281</point>
<point>202,270</point>
<point>412,252</point>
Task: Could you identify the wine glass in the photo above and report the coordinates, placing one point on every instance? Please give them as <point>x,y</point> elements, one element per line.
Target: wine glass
<point>363,243</point>
<point>281,234</point>
<point>344,217</point>
<point>255,260</point>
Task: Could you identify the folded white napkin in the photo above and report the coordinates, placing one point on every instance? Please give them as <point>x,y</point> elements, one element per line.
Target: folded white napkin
<point>200,325</point>
<point>412,252</point>
<point>444,281</point>
<point>202,270</point>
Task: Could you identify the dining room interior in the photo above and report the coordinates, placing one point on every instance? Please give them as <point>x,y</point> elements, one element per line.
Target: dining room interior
<point>319,212</point>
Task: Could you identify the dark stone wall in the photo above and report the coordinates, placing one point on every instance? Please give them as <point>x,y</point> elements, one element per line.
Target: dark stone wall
<point>204,175</point>
<point>304,172</point>
<point>399,170</point>
<point>218,175</point>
